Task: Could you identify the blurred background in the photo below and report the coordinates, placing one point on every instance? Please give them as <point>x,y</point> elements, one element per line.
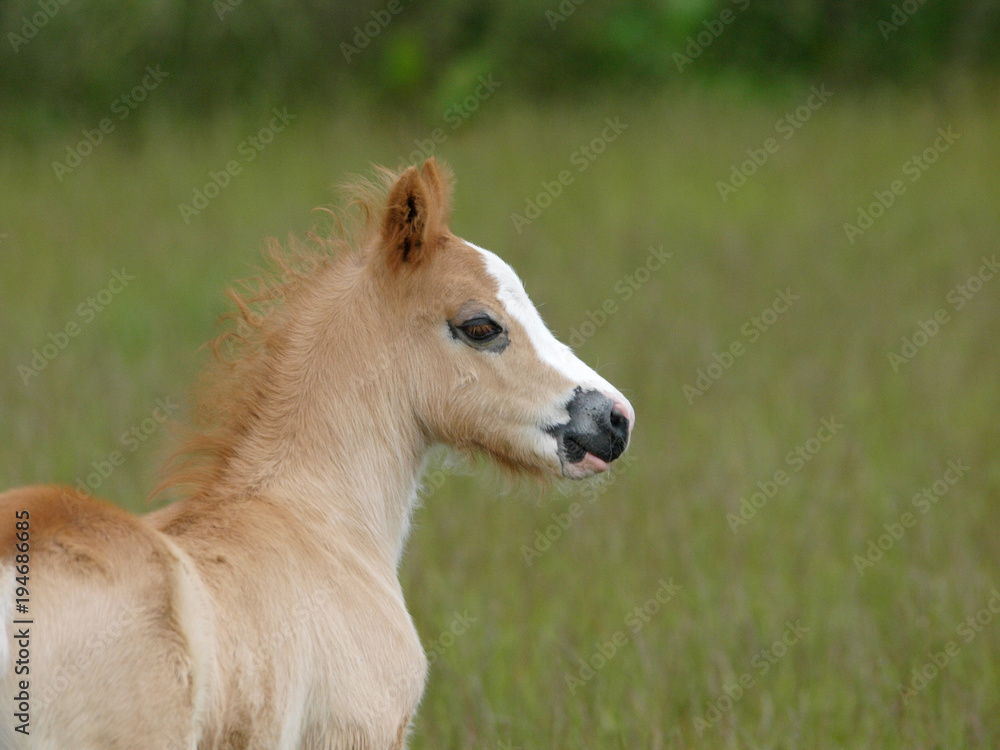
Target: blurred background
<point>773,225</point>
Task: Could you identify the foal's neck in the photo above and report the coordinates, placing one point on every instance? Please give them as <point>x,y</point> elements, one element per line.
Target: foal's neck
<point>335,440</point>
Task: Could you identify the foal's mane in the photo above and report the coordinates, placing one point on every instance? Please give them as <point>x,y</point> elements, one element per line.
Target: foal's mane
<point>229,391</point>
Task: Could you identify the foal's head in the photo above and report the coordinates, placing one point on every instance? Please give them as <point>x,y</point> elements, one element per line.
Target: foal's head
<point>483,370</point>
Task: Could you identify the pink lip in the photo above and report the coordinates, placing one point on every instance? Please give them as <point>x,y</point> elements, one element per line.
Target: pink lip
<point>590,464</point>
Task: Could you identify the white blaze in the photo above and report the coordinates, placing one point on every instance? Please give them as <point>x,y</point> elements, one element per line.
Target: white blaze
<point>548,348</point>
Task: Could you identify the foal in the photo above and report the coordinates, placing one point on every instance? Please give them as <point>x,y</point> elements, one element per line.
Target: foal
<point>263,610</point>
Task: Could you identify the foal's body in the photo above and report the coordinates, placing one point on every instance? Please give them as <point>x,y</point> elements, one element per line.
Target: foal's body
<point>264,610</point>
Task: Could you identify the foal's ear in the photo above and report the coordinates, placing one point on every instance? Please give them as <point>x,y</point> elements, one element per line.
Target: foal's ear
<point>440,179</point>
<point>415,215</point>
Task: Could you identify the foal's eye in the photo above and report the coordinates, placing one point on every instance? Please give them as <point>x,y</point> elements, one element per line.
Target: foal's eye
<point>481,330</point>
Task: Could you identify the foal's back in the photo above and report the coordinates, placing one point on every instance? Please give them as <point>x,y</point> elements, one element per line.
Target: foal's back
<point>107,601</point>
<point>199,626</point>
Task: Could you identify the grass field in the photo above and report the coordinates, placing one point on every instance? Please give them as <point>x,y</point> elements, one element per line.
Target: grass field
<point>793,618</point>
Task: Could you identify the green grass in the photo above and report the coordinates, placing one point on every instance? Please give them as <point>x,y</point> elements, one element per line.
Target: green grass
<point>665,515</point>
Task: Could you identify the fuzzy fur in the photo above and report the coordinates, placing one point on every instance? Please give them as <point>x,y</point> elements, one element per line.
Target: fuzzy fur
<point>262,610</point>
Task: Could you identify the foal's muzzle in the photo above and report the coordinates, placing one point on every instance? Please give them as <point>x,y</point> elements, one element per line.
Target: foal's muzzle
<point>597,425</point>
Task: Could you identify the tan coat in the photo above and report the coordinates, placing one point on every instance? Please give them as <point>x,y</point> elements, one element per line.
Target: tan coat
<point>263,609</point>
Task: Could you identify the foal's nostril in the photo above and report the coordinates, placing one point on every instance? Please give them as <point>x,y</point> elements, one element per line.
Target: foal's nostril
<point>619,422</point>
<point>618,428</point>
